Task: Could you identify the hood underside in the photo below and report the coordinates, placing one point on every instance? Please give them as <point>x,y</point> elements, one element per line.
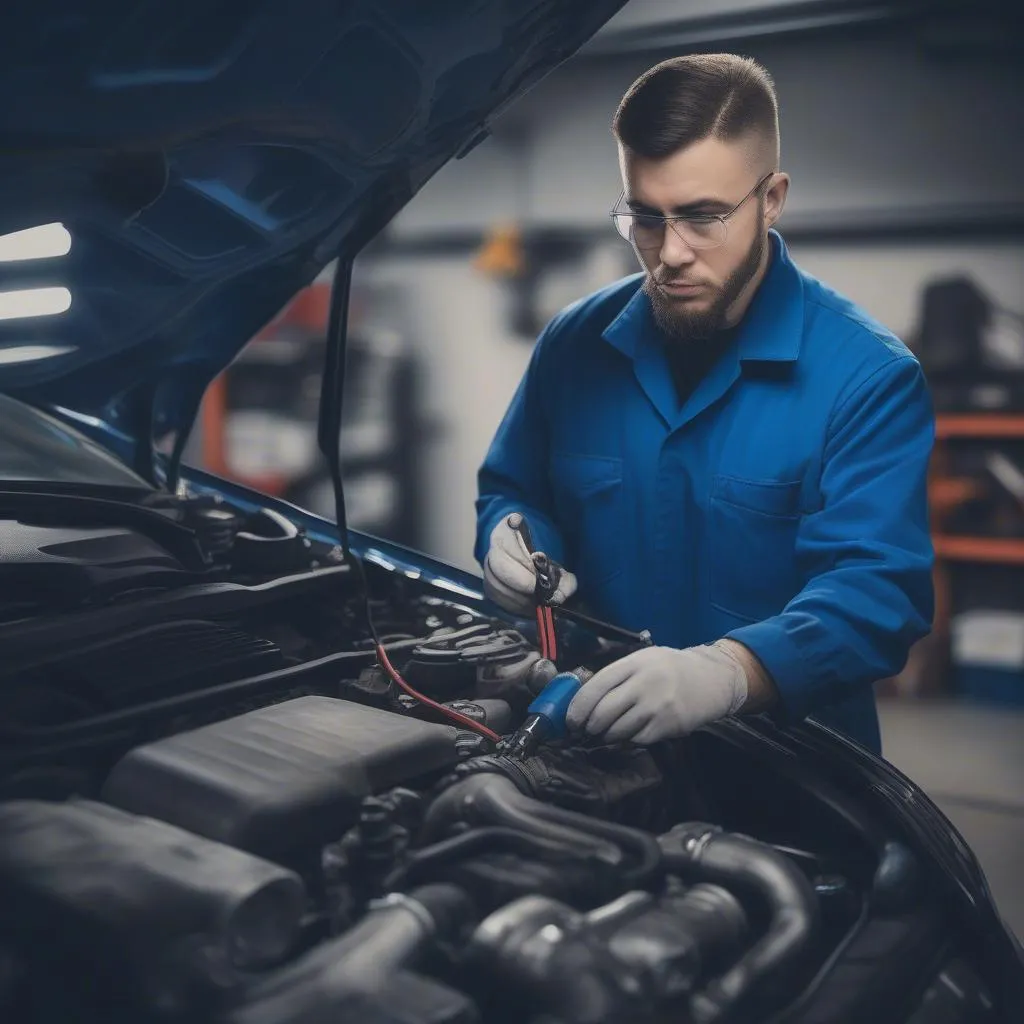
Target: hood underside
<point>210,158</point>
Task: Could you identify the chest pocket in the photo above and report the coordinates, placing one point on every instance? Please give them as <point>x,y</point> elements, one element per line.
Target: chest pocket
<point>752,531</point>
<point>588,494</point>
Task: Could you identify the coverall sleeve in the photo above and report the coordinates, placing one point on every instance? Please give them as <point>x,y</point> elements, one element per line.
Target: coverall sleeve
<point>514,475</point>
<point>866,553</point>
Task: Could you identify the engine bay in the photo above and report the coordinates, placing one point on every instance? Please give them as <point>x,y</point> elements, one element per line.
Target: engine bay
<point>218,803</point>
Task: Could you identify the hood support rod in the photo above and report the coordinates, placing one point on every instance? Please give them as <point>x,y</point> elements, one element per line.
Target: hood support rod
<point>332,391</point>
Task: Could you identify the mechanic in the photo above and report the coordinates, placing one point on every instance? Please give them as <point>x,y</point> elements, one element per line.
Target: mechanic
<point>720,449</point>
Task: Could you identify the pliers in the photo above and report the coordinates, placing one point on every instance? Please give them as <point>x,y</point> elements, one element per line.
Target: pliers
<point>548,574</point>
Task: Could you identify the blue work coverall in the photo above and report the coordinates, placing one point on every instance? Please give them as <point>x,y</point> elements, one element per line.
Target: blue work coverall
<point>783,504</point>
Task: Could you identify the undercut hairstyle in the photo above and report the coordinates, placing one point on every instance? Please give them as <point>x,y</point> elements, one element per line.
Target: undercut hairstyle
<point>692,98</point>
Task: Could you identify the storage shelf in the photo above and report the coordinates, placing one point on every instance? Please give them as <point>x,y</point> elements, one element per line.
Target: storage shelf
<point>948,492</point>
<point>995,425</point>
<point>1009,550</point>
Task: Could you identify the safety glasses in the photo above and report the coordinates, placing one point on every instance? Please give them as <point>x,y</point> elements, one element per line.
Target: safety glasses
<point>646,231</point>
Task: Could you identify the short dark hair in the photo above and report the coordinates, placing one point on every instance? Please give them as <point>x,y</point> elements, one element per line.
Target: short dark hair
<point>687,99</point>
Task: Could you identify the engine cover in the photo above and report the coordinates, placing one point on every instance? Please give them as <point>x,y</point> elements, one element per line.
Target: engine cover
<point>280,781</point>
<point>59,567</point>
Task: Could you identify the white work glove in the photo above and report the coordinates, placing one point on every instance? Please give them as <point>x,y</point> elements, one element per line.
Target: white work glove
<point>510,576</point>
<point>659,693</point>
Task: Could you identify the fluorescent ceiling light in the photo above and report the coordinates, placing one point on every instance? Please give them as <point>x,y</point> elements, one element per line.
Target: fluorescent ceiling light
<point>28,302</point>
<point>39,243</point>
<point>32,353</point>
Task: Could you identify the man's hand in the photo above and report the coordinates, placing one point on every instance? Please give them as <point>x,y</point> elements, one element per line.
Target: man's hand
<point>509,574</point>
<point>662,693</point>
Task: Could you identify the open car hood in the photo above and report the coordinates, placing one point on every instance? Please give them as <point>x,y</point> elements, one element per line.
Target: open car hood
<point>210,158</point>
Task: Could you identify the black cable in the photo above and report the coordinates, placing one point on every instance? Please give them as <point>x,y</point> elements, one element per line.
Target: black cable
<point>106,726</point>
<point>793,1011</point>
<point>332,392</point>
<point>141,713</point>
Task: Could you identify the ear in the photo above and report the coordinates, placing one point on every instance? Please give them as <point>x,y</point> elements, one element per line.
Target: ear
<point>775,199</point>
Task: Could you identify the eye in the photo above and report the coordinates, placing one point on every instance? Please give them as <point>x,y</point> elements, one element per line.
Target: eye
<point>647,221</point>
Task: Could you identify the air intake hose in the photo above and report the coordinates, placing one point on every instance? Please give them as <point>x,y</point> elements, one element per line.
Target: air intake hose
<point>154,912</point>
<point>363,961</point>
<point>497,793</point>
<point>697,852</point>
<point>490,799</point>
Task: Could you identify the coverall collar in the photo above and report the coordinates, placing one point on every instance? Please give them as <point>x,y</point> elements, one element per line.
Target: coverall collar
<point>771,332</point>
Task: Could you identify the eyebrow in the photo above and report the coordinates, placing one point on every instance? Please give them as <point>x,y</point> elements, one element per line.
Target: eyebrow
<point>697,206</point>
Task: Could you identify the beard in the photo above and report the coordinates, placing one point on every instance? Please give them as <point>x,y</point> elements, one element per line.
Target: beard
<point>681,324</point>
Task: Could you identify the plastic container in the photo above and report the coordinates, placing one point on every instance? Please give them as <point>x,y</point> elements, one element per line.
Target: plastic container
<point>988,656</point>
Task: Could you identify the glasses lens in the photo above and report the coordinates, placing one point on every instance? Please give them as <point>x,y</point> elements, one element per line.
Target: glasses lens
<point>700,234</point>
<point>647,233</point>
<point>624,225</point>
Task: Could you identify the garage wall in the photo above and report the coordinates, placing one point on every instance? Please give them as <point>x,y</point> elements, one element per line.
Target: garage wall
<point>868,127</point>
<point>887,280</point>
<point>868,130</point>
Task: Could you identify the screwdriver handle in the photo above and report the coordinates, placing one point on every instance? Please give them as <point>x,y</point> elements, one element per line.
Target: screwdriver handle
<point>518,522</point>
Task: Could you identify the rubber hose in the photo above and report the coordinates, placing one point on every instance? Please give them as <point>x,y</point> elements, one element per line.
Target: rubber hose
<point>703,853</point>
<point>494,800</point>
<point>470,843</point>
<point>643,846</point>
<point>390,937</point>
<point>385,940</point>
<point>896,872</point>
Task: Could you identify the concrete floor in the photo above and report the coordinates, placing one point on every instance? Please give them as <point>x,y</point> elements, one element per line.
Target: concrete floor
<point>970,760</point>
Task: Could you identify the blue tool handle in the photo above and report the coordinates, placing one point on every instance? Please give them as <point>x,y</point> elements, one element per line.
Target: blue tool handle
<point>553,701</point>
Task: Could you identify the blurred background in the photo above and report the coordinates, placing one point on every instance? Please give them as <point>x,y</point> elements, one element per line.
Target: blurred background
<point>903,132</point>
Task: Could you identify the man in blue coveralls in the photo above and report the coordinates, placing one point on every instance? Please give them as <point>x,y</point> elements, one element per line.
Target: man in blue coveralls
<point>720,449</point>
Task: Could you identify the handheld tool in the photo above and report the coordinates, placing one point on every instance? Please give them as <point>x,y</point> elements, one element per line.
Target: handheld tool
<point>545,717</point>
<point>606,629</point>
<point>548,574</point>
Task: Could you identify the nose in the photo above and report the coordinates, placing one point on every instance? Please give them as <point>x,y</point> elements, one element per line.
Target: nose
<point>674,250</point>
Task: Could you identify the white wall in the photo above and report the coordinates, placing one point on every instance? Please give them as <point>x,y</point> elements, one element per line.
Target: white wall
<point>488,186</point>
<point>864,129</point>
<point>470,368</point>
<point>887,280</point>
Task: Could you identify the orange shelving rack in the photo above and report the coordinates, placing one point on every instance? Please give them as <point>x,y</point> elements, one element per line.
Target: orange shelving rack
<point>947,493</point>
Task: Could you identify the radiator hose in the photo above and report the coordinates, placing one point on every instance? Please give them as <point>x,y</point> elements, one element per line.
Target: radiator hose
<point>489,798</point>
<point>698,852</point>
<point>363,961</point>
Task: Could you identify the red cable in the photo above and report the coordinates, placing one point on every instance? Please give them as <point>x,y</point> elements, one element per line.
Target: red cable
<point>546,633</point>
<point>463,720</point>
<point>549,618</point>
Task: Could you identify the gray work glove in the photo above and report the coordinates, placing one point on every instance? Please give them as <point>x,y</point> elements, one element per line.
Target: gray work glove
<point>659,693</point>
<point>509,574</point>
